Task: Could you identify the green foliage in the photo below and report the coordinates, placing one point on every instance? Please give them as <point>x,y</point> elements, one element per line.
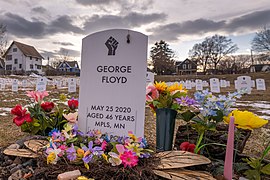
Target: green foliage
<point>162,58</point>
<point>257,166</point>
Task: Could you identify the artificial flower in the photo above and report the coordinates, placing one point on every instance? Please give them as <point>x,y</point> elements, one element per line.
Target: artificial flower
<point>186,101</point>
<point>71,117</point>
<point>71,153</point>
<point>37,96</point>
<point>114,159</point>
<point>151,92</point>
<point>21,115</point>
<point>135,147</point>
<point>186,146</point>
<point>175,88</point>
<point>47,106</point>
<point>246,120</point>
<point>73,104</point>
<point>90,151</point>
<point>129,159</point>
<point>160,86</point>
<point>105,157</point>
<point>53,151</point>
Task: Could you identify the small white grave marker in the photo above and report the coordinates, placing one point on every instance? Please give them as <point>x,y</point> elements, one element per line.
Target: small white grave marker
<point>15,85</point>
<point>260,84</point>
<point>24,83</point>
<point>214,85</point>
<point>71,85</point>
<point>199,85</point>
<point>41,84</point>
<point>228,84</point>
<point>253,85</point>
<point>244,82</point>
<point>223,83</point>
<point>205,84</point>
<point>2,84</point>
<point>188,84</point>
<point>149,77</point>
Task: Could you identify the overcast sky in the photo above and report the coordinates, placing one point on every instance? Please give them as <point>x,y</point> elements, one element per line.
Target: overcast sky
<point>58,26</point>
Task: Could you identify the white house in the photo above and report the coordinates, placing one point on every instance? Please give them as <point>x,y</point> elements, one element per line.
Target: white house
<point>22,57</point>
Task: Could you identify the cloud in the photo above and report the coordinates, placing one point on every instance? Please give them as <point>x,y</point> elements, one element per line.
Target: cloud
<point>68,52</point>
<point>245,23</point>
<point>21,27</point>
<point>94,2</point>
<point>39,9</point>
<point>64,43</point>
<point>131,20</point>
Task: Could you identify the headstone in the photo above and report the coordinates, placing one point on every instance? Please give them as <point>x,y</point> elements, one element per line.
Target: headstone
<point>71,85</point>
<point>223,83</point>
<point>205,84</point>
<point>228,84</point>
<point>41,84</point>
<point>253,85</point>
<point>188,84</point>
<point>59,84</point>
<point>235,84</point>
<point>15,85</point>
<point>260,84</point>
<point>149,77</point>
<point>2,84</point>
<point>214,85</point>
<point>24,83</point>
<point>199,85</point>
<point>244,83</point>
<point>193,84</point>
<point>112,82</point>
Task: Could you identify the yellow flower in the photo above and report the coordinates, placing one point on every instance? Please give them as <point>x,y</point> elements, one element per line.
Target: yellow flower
<point>80,153</point>
<point>51,158</point>
<point>161,86</point>
<point>135,148</point>
<point>176,87</point>
<point>105,157</point>
<point>245,120</point>
<point>62,97</point>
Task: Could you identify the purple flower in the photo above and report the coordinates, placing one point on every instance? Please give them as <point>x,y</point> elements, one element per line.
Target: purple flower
<point>71,153</point>
<point>90,152</point>
<point>186,101</point>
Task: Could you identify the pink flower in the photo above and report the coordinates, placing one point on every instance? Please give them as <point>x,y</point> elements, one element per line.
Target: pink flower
<point>129,159</point>
<point>37,96</point>
<point>151,92</point>
<point>71,117</point>
<point>103,145</point>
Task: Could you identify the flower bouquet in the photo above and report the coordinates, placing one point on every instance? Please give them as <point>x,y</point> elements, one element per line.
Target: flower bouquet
<point>40,117</point>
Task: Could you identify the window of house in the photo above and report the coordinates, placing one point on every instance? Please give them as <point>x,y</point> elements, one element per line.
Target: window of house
<point>14,49</point>
<point>36,59</point>
<point>189,66</point>
<point>38,66</point>
<point>20,66</point>
<point>9,57</point>
<point>30,57</point>
<point>14,68</point>
<point>184,66</point>
<point>15,61</point>
<point>8,67</point>
<point>31,66</point>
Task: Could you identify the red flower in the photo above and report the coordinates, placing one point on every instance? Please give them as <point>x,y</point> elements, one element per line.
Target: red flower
<point>47,106</point>
<point>186,146</point>
<point>73,103</point>
<point>21,115</point>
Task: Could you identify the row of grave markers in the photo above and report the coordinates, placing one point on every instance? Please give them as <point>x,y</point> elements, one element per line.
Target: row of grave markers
<point>41,84</point>
<point>242,82</point>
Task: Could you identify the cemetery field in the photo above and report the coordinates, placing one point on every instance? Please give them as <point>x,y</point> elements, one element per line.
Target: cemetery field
<point>257,102</point>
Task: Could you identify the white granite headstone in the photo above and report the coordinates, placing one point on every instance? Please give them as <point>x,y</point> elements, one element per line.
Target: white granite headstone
<point>260,84</point>
<point>214,85</point>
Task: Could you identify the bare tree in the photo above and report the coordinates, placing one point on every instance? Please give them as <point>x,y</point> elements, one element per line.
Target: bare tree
<point>3,41</point>
<point>211,51</point>
<point>261,41</point>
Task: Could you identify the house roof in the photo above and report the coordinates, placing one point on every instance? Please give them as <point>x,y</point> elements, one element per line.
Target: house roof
<point>69,63</point>
<point>27,50</point>
<point>181,62</point>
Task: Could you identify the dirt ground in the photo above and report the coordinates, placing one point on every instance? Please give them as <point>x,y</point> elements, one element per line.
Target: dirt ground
<point>9,132</point>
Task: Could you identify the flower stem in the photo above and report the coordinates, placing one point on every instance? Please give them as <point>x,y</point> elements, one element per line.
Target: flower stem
<point>199,142</point>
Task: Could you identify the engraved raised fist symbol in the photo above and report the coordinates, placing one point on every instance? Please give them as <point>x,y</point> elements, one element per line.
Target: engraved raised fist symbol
<point>111,44</point>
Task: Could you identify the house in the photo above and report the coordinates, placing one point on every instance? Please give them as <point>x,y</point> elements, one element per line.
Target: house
<point>260,68</point>
<point>186,67</point>
<point>69,66</point>
<point>23,58</point>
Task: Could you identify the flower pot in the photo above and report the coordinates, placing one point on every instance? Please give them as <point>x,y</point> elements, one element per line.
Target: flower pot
<point>165,122</point>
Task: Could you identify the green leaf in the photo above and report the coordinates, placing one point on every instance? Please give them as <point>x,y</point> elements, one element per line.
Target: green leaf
<point>265,152</point>
<point>219,116</point>
<point>187,115</point>
<point>36,124</point>
<point>253,175</point>
<point>266,169</point>
<point>254,163</point>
